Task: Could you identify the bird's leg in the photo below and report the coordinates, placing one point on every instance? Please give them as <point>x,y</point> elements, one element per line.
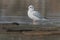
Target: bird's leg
<point>34,22</point>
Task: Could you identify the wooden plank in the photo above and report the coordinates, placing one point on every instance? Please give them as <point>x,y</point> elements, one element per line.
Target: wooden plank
<point>34,33</point>
<point>42,33</point>
<point>26,27</point>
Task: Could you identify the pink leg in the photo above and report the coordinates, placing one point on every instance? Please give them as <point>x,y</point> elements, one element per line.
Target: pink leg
<point>34,22</point>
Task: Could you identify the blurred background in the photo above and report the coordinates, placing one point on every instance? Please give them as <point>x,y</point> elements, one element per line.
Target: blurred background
<point>16,11</point>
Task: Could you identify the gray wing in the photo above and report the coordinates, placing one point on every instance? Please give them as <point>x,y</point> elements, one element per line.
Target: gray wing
<point>37,14</point>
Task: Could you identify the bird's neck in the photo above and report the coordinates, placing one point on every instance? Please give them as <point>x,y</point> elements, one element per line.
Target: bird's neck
<point>31,9</point>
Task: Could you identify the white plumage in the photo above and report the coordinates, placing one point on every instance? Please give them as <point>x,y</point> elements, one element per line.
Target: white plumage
<point>34,15</point>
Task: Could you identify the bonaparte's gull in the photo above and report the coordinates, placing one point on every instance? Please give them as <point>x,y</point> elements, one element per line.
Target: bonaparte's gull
<point>34,15</point>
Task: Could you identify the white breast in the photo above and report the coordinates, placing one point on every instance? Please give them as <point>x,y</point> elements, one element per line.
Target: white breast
<point>30,14</point>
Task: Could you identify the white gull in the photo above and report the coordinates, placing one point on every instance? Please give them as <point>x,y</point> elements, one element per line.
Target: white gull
<point>34,15</point>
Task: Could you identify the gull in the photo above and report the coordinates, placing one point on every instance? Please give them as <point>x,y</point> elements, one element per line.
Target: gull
<point>34,15</point>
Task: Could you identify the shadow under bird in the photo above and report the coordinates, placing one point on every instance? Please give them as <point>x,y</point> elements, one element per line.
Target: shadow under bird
<point>14,23</point>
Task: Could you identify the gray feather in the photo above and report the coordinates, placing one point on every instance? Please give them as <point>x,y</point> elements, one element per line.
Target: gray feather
<point>37,14</point>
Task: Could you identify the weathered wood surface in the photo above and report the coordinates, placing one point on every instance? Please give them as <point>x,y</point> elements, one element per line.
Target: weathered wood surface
<point>37,35</point>
<point>28,32</point>
<point>23,27</point>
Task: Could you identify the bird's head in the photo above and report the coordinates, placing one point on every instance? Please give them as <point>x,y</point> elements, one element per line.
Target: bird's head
<point>31,7</point>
